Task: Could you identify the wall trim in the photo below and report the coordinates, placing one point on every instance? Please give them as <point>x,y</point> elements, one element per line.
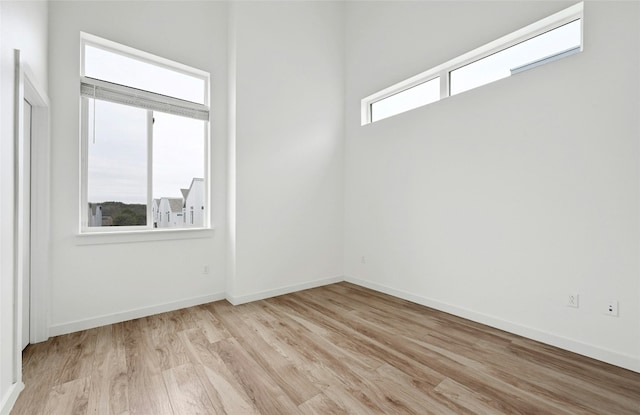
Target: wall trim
<point>10,398</point>
<point>261,295</point>
<point>40,207</point>
<point>119,317</point>
<point>605,355</point>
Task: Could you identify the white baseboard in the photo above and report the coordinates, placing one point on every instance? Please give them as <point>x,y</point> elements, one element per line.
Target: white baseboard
<point>604,355</point>
<point>247,298</point>
<point>93,322</point>
<point>10,398</point>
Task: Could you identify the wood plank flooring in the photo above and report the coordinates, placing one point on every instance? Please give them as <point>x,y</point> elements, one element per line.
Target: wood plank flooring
<point>339,349</point>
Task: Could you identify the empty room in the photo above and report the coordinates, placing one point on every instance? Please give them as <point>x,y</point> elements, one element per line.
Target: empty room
<point>319,207</point>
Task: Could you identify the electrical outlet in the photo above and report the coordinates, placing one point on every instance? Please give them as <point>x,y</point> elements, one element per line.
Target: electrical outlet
<point>363,260</point>
<point>205,269</point>
<point>573,300</point>
<point>611,308</point>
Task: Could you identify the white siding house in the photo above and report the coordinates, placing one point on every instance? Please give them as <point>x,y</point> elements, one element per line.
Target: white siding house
<point>194,204</point>
<point>170,213</point>
<point>155,212</point>
<point>95,215</point>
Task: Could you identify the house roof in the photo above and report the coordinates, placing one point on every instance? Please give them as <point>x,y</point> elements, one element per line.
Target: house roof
<point>175,204</point>
<point>185,192</point>
<point>195,179</point>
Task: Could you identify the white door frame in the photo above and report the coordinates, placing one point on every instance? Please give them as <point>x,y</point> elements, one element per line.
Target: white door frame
<point>40,209</point>
<point>27,88</point>
<point>24,220</point>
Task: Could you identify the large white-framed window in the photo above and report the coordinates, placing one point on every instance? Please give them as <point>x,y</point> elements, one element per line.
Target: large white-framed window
<point>545,41</point>
<point>144,140</point>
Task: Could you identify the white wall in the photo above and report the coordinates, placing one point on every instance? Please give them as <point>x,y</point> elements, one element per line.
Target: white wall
<point>288,59</point>
<point>98,283</point>
<point>23,25</point>
<point>497,203</point>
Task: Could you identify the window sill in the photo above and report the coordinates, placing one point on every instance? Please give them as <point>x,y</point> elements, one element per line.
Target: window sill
<point>122,237</point>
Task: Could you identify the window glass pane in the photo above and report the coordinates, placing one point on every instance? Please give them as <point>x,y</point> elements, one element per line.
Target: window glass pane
<point>178,171</point>
<point>137,157</point>
<point>117,165</point>
<point>417,96</point>
<point>124,70</point>
<point>501,64</point>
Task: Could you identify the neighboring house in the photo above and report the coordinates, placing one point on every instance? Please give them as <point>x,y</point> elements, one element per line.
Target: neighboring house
<point>170,212</point>
<point>95,215</point>
<point>194,204</point>
<point>96,218</point>
<point>185,193</point>
<point>155,212</point>
<point>184,212</point>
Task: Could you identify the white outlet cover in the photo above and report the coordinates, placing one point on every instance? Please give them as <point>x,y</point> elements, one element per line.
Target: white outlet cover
<point>573,300</point>
<point>611,308</point>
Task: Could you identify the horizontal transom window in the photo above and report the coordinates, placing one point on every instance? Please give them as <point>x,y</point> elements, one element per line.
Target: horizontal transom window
<point>146,73</point>
<point>554,44</point>
<point>545,41</point>
<point>414,97</point>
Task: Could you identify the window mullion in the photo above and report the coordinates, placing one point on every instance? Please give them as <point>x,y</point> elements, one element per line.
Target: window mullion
<point>84,164</point>
<point>444,83</point>
<point>149,169</point>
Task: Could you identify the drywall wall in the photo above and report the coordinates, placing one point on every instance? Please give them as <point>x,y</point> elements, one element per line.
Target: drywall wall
<point>286,172</point>
<point>96,283</point>
<point>288,146</point>
<point>498,203</point>
<point>23,26</point>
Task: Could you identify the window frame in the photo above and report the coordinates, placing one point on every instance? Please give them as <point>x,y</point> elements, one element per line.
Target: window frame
<point>568,15</point>
<point>407,89</point>
<point>113,47</point>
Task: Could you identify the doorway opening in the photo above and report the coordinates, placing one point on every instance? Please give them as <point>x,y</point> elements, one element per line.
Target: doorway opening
<point>31,214</point>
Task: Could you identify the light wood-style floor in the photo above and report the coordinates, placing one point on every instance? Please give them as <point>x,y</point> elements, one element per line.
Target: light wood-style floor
<point>339,349</point>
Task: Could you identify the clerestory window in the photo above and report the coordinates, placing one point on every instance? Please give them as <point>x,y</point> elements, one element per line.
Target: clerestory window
<point>555,37</point>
